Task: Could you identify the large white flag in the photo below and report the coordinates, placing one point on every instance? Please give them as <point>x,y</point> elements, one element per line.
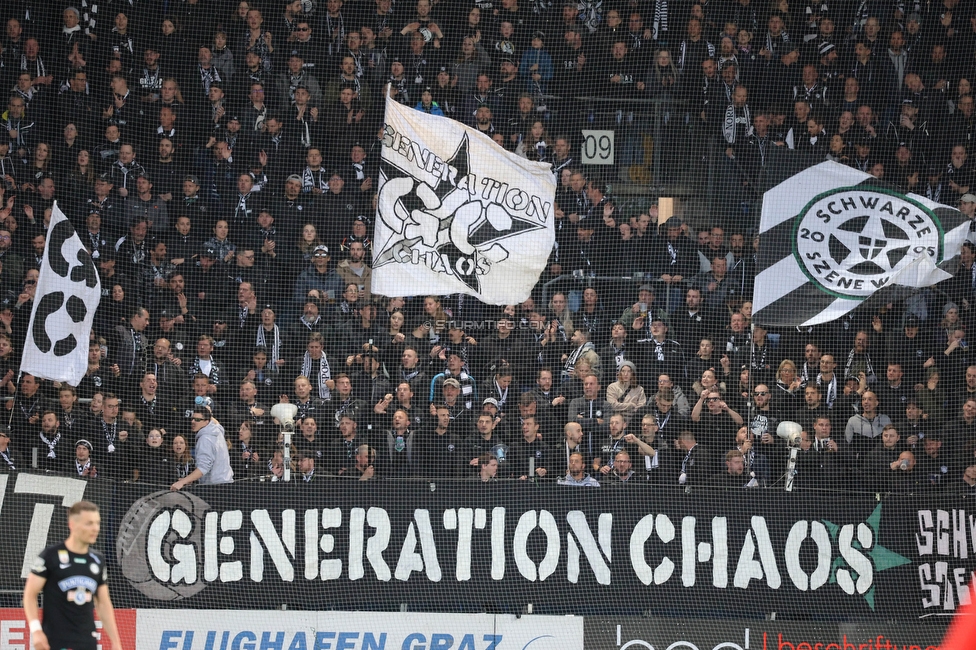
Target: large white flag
<point>832,238</point>
<point>456,213</point>
<point>68,292</point>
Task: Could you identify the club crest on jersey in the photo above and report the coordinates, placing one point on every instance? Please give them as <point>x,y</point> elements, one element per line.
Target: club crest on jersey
<point>79,596</point>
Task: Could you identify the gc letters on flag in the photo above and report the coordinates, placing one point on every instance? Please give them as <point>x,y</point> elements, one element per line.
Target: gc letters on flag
<point>456,213</point>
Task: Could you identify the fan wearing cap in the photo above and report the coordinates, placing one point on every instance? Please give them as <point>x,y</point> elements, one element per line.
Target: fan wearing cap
<point>444,93</point>
<point>318,281</point>
<point>909,129</point>
<point>210,454</point>
<point>83,465</point>
<point>400,86</point>
<point>427,103</point>
<point>192,203</point>
<point>536,65</point>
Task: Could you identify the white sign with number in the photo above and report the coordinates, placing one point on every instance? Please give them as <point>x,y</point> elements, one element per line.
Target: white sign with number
<point>597,148</point>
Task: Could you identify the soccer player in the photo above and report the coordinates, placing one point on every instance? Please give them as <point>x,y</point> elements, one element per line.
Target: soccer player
<point>72,577</point>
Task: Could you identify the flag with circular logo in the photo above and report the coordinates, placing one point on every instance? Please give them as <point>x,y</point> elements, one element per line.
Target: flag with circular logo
<point>833,238</point>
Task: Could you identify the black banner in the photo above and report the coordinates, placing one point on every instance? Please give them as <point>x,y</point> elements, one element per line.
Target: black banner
<point>465,547</point>
<point>32,516</point>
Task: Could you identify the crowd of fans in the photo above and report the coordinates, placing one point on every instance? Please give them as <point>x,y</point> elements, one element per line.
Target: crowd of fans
<point>220,163</point>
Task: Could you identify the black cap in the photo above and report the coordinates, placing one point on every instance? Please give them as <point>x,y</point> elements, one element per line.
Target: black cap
<point>911,320</point>
<point>539,34</point>
<point>4,431</point>
<point>208,251</point>
<point>106,177</point>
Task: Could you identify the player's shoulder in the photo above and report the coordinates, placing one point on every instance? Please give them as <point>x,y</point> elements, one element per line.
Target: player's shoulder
<point>48,557</point>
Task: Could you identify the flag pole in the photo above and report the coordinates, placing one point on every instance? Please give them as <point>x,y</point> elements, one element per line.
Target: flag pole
<point>750,399</point>
<point>10,418</point>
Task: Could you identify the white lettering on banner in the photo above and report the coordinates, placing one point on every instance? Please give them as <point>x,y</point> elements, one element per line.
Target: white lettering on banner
<point>172,545</point>
<point>266,630</point>
<point>642,532</point>
<point>71,491</point>
<point>950,534</point>
<point>858,562</point>
<point>820,537</point>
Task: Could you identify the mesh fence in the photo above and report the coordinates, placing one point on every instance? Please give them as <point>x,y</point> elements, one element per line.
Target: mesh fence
<point>220,162</point>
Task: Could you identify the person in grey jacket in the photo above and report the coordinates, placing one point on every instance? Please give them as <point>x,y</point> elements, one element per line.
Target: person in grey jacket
<point>211,455</point>
<point>576,476</point>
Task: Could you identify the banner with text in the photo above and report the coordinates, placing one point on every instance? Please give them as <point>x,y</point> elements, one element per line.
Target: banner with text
<point>641,633</point>
<point>457,213</point>
<point>215,629</point>
<point>464,547</point>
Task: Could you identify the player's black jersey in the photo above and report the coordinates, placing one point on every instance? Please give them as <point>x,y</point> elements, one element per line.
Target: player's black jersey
<point>69,593</point>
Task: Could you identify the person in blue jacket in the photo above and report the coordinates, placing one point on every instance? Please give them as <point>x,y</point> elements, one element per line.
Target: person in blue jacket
<point>427,103</point>
<point>536,65</point>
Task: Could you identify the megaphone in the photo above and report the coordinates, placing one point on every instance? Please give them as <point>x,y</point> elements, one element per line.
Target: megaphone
<point>789,431</point>
<point>285,415</point>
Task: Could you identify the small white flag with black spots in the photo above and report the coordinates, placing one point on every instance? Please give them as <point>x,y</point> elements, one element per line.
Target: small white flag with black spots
<point>833,238</point>
<point>67,295</point>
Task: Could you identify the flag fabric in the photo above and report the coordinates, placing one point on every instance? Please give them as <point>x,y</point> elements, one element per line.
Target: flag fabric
<point>961,634</point>
<point>833,238</point>
<point>456,213</point>
<point>67,294</point>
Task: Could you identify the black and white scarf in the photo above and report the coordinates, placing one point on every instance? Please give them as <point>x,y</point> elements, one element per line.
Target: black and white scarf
<point>149,404</point>
<point>51,444</point>
<point>214,375</point>
<point>831,393</point>
<point>659,29</point>
<point>734,116</point>
<point>183,469</point>
<point>8,460</point>
<point>325,374</point>
<point>207,77</point>
<point>39,70</point>
<point>315,178</point>
<point>81,469</point>
<point>852,357</point>
<point>275,348</point>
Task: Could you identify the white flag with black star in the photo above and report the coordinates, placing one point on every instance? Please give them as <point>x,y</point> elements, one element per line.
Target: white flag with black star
<point>67,295</point>
<point>833,238</point>
<point>456,213</point>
